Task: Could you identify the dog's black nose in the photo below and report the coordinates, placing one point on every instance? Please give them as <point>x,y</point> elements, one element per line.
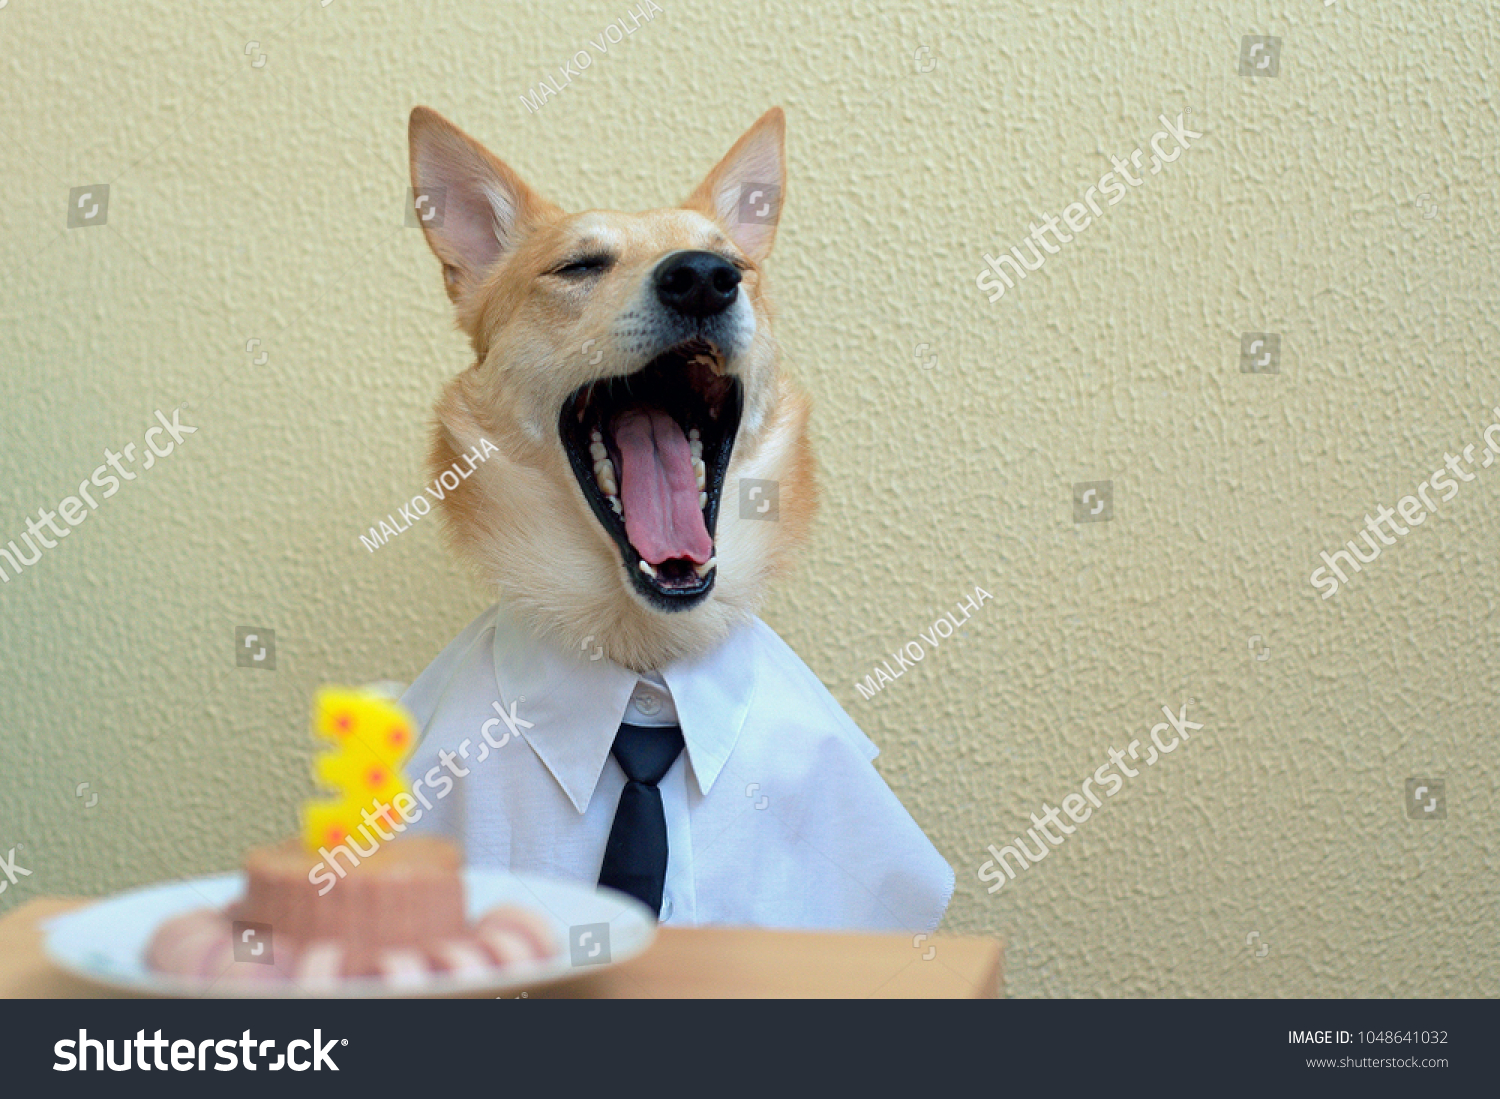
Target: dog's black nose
<point>697,284</point>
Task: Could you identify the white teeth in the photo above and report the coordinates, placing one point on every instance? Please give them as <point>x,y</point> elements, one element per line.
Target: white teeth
<point>705,568</point>
<point>702,500</point>
<point>692,434</point>
<point>604,477</point>
<point>696,447</point>
<point>701,471</point>
<point>614,502</point>
<point>595,437</point>
<point>647,569</point>
<point>597,451</point>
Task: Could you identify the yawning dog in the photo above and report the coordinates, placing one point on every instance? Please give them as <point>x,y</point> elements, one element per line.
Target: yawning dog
<point>625,367</point>
<point>625,371</point>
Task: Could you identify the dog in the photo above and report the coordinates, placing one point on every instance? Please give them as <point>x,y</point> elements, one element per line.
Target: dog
<point>625,380</point>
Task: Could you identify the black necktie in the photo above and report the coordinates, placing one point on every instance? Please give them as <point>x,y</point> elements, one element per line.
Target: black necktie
<point>635,858</point>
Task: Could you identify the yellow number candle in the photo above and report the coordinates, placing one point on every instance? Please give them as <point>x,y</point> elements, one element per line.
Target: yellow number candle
<point>371,738</point>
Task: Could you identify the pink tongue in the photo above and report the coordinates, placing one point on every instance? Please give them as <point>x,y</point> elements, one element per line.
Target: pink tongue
<point>659,489</point>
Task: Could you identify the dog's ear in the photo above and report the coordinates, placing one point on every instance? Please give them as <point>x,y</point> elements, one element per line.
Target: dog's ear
<point>745,190</point>
<point>473,208</point>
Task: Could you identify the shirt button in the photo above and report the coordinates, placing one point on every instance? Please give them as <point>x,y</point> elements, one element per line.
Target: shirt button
<point>646,702</point>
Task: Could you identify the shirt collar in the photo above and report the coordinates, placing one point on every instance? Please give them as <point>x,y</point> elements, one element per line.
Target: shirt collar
<point>574,704</point>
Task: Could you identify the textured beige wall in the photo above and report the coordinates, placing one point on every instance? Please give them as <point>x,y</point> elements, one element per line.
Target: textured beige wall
<point>262,200</point>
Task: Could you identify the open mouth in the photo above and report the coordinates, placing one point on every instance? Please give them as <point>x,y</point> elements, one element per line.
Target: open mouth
<point>650,450</point>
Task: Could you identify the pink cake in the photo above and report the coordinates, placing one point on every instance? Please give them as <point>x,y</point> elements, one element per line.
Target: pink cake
<point>397,916</point>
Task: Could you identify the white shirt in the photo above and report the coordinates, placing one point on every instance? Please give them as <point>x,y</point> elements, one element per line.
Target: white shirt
<point>775,816</point>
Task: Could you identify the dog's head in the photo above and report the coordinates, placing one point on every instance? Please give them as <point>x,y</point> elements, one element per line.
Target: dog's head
<point>626,372</point>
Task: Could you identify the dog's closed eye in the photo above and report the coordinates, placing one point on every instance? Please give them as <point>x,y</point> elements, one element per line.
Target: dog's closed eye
<point>584,266</point>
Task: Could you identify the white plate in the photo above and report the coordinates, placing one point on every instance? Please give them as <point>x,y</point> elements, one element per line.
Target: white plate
<point>106,942</point>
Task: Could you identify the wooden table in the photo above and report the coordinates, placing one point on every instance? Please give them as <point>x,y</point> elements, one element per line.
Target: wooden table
<point>681,963</point>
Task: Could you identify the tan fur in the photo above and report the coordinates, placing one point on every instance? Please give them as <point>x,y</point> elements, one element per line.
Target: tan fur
<point>521,517</point>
